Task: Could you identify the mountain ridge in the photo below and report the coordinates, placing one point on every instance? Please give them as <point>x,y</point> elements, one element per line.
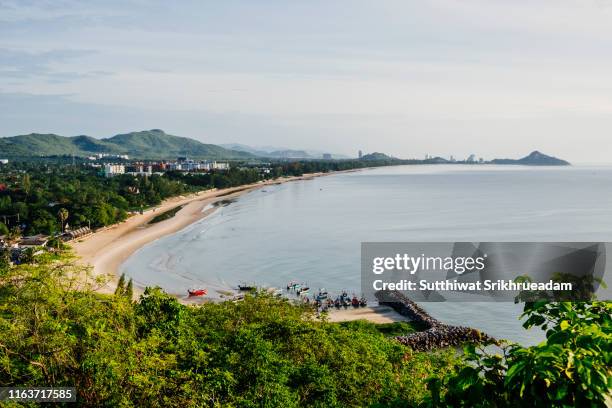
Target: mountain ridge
<point>147,144</point>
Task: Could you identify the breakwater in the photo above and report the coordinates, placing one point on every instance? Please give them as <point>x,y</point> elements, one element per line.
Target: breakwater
<point>436,334</point>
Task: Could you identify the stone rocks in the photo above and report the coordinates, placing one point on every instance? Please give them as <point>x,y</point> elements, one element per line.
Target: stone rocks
<point>437,334</point>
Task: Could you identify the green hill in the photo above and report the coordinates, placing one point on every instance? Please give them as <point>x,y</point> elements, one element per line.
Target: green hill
<point>376,156</point>
<point>535,158</point>
<point>148,144</point>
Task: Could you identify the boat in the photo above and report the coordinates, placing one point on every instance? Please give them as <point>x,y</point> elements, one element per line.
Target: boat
<point>197,292</point>
<point>302,290</point>
<point>293,285</point>
<point>355,301</point>
<point>246,287</point>
<point>338,302</point>
<point>363,302</point>
<point>322,295</point>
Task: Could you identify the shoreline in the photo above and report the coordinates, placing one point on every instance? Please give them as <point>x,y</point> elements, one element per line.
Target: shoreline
<point>106,249</point>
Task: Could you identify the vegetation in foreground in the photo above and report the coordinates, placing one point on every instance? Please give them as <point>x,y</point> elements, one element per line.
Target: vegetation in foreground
<point>263,351</point>
<point>266,351</point>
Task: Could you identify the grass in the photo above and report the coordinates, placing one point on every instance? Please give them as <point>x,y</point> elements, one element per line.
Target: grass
<point>386,329</point>
<point>165,215</point>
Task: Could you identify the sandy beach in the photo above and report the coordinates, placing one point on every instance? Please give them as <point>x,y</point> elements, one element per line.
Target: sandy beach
<point>106,249</point>
<point>374,314</point>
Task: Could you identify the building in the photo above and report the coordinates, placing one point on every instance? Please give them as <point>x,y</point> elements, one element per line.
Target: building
<point>111,170</point>
<point>327,156</point>
<point>34,241</point>
<point>471,158</point>
<point>360,154</point>
<point>140,170</point>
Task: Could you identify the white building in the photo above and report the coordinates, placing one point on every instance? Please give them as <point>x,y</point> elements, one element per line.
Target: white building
<point>111,170</point>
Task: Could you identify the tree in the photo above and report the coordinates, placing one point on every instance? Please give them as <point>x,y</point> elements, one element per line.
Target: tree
<point>129,290</point>
<point>62,214</point>
<point>3,229</point>
<point>26,184</point>
<point>5,261</point>
<point>570,369</point>
<point>120,285</point>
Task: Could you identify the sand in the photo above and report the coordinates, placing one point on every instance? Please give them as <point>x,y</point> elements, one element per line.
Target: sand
<point>107,249</point>
<point>374,314</point>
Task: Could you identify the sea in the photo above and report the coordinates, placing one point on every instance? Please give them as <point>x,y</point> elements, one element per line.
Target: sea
<point>311,231</point>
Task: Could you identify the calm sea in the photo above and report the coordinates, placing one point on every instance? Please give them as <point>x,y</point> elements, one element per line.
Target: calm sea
<point>311,231</point>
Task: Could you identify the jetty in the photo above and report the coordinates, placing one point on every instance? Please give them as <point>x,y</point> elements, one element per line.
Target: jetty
<point>437,334</point>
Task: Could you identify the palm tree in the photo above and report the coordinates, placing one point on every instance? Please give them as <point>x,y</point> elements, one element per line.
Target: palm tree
<point>63,216</point>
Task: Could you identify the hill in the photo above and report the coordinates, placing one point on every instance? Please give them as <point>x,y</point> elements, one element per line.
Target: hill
<point>273,152</point>
<point>149,144</point>
<point>376,156</point>
<point>535,158</point>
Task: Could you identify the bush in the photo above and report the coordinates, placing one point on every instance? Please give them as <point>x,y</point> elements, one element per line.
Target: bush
<point>571,368</point>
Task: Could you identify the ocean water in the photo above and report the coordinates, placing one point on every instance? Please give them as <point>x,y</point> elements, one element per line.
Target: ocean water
<point>312,230</point>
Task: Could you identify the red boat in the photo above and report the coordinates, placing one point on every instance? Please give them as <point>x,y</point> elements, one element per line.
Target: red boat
<point>197,292</point>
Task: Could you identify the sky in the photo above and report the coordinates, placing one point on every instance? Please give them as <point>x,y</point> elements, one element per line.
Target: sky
<point>408,78</point>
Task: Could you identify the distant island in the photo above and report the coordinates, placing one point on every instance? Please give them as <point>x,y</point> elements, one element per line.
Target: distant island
<point>534,158</point>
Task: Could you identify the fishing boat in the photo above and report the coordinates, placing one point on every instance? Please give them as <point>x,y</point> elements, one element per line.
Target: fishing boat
<point>363,302</point>
<point>338,302</point>
<point>246,287</point>
<point>302,290</point>
<point>322,295</point>
<point>355,301</point>
<point>197,292</point>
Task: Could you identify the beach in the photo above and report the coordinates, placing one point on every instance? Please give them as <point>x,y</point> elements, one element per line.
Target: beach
<point>106,249</point>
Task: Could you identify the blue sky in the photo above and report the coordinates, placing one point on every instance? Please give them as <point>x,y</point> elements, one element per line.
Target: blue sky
<point>495,78</point>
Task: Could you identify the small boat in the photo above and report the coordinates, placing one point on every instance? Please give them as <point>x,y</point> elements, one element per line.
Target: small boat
<point>197,292</point>
<point>355,301</point>
<point>363,302</point>
<point>322,295</point>
<point>302,290</point>
<point>246,287</point>
<point>338,303</point>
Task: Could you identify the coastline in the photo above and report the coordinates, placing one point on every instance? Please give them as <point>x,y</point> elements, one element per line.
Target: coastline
<point>105,250</point>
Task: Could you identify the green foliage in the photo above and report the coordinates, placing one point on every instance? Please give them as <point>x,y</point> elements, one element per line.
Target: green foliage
<point>263,351</point>
<point>166,215</point>
<point>120,285</point>
<point>150,144</point>
<point>571,368</point>
<point>129,289</point>
<point>80,197</point>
